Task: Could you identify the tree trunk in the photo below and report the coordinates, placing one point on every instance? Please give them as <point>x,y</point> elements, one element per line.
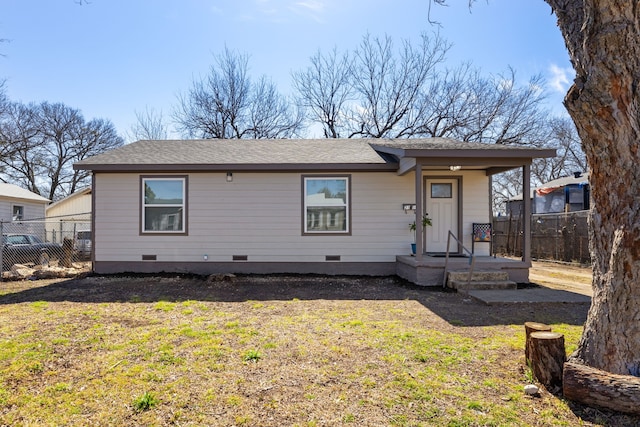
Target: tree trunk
<point>603,39</point>
<point>602,389</point>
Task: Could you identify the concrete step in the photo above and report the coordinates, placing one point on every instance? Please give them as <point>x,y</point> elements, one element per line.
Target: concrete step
<point>482,284</point>
<point>479,275</point>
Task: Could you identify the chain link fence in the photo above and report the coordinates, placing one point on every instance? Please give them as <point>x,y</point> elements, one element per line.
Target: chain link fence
<point>58,241</point>
<point>558,236</point>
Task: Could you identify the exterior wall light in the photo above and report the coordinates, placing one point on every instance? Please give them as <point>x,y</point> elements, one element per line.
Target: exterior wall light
<point>229,176</point>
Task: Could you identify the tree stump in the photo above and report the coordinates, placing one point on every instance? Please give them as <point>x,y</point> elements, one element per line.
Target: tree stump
<point>67,252</point>
<point>595,387</point>
<point>530,327</point>
<point>547,358</point>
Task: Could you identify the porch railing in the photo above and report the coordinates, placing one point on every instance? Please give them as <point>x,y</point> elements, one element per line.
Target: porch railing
<point>472,261</point>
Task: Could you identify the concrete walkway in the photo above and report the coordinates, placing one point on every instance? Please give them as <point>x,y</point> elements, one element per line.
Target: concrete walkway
<point>528,295</point>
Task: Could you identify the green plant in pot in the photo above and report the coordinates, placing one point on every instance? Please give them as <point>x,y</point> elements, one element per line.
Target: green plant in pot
<point>426,222</point>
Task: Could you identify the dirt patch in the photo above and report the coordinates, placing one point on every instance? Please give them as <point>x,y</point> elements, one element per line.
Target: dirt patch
<point>565,277</point>
<point>450,306</point>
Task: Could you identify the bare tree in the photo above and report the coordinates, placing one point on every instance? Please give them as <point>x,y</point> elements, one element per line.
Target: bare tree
<point>22,157</point>
<point>513,114</point>
<point>570,158</point>
<point>4,99</point>
<point>94,137</point>
<point>270,115</point>
<point>447,107</point>
<point>383,93</point>
<point>324,89</point>
<point>43,143</point>
<point>463,104</point>
<point>228,105</point>
<point>505,186</point>
<point>149,125</point>
<point>388,87</point>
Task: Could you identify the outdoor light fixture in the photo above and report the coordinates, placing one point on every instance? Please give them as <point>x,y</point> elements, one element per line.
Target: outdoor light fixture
<point>229,176</point>
<point>455,168</point>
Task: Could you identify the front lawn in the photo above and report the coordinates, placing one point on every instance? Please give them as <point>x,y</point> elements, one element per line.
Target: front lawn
<point>275,351</point>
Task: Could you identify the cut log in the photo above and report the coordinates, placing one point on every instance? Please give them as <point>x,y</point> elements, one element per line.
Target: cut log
<point>594,387</point>
<point>67,252</point>
<point>530,327</point>
<point>547,358</point>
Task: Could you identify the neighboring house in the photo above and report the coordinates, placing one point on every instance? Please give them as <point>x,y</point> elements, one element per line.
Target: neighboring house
<point>321,206</point>
<point>68,216</point>
<point>76,206</point>
<point>566,194</point>
<point>21,211</point>
<point>18,204</point>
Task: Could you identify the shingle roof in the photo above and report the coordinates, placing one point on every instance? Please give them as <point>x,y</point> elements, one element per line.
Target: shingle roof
<point>277,154</point>
<point>240,151</point>
<point>15,192</point>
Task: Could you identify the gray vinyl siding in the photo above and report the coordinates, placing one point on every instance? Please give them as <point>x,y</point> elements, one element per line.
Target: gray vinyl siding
<point>31,210</point>
<point>260,215</point>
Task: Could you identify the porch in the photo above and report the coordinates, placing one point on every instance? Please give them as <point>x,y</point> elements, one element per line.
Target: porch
<point>441,172</point>
<point>428,270</point>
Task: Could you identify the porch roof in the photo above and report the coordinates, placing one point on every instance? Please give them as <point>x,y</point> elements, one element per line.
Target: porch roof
<point>445,152</point>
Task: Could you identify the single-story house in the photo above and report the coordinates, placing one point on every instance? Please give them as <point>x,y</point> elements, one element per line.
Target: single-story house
<point>325,206</point>
<point>21,210</point>
<point>18,204</point>
<point>69,216</point>
<point>74,207</point>
<point>566,194</point>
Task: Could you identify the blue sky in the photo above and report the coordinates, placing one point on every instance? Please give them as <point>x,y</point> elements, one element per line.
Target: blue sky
<point>110,58</point>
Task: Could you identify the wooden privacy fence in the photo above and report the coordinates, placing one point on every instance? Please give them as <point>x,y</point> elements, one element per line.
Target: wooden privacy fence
<point>558,236</point>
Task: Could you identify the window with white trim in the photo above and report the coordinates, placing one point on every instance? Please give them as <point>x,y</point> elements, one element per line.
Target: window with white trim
<point>164,204</point>
<point>326,205</point>
<point>18,213</point>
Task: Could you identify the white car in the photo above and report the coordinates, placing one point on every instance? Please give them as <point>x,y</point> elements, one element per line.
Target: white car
<point>82,244</point>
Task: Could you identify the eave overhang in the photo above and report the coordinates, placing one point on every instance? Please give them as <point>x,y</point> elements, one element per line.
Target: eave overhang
<point>492,159</point>
<point>243,167</point>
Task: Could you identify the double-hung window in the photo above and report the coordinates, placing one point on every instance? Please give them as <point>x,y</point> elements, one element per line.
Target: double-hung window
<point>164,205</point>
<point>326,205</point>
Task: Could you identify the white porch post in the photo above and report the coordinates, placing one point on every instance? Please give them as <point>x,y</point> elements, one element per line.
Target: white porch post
<point>526,218</point>
<point>419,210</point>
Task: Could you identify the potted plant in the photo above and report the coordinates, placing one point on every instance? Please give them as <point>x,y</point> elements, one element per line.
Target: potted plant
<point>426,221</point>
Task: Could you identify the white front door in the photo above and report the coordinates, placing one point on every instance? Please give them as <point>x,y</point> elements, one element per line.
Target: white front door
<point>441,203</point>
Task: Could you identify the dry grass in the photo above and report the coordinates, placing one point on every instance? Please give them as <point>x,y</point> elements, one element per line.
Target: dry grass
<point>274,351</point>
